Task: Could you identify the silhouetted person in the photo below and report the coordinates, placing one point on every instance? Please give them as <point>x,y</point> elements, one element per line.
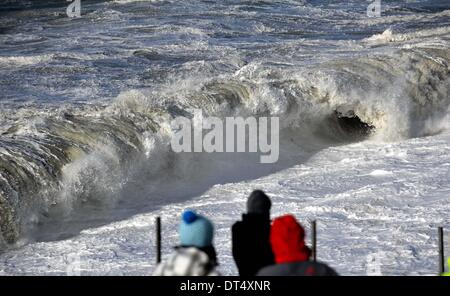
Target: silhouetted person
<point>287,238</point>
<point>196,255</point>
<point>250,237</point>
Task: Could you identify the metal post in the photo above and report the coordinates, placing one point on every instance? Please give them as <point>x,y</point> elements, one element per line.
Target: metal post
<point>158,240</point>
<point>441,250</point>
<point>314,240</point>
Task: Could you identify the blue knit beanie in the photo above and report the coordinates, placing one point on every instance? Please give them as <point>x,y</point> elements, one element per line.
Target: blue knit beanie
<point>195,230</point>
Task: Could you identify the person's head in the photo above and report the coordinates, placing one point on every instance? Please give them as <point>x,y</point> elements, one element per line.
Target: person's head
<point>258,203</point>
<point>287,238</point>
<point>195,230</point>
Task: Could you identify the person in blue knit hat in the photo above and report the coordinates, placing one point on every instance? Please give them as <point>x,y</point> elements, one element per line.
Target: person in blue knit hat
<point>195,256</point>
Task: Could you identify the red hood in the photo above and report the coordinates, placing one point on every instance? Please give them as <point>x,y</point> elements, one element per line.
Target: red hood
<point>287,237</point>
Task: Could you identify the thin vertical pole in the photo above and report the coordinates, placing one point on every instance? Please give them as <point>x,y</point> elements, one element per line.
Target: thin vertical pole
<point>441,250</point>
<point>314,240</point>
<point>158,239</point>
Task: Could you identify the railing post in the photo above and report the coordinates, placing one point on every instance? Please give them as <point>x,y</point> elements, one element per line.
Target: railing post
<point>158,239</point>
<point>441,250</point>
<point>314,240</point>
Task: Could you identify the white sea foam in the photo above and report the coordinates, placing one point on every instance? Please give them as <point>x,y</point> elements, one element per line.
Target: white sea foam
<point>18,61</point>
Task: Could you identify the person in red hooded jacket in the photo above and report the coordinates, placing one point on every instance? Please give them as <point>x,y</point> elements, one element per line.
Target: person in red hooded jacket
<point>287,238</point>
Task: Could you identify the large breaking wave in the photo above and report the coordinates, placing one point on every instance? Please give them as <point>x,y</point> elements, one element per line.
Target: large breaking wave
<point>52,159</point>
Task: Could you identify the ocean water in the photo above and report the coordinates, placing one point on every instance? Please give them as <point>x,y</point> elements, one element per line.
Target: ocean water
<point>86,104</point>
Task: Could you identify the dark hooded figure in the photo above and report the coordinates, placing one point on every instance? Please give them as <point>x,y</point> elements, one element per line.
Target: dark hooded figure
<point>292,256</point>
<point>251,236</point>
